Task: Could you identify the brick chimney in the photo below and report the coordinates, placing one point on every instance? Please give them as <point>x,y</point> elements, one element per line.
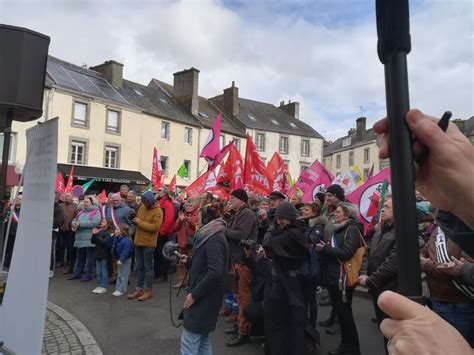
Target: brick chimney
<point>112,72</point>
<point>231,101</point>
<point>291,108</point>
<point>185,89</point>
<point>361,130</point>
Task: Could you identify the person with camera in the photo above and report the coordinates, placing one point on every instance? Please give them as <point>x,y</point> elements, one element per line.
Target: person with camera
<point>344,243</point>
<point>286,319</point>
<point>242,226</point>
<point>207,277</point>
<point>185,226</point>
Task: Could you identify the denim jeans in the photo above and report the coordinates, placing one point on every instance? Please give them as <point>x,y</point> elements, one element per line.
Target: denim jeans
<point>459,315</point>
<point>123,271</point>
<point>83,254</point>
<point>102,273</point>
<point>195,344</point>
<point>144,268</point>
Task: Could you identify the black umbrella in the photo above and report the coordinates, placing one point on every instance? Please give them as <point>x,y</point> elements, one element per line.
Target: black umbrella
<point>393,30</point>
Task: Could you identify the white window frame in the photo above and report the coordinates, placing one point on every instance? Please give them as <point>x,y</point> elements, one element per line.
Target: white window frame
<point>305,147</point>
<point>260,141</point>
<point>75,120</point>
<point>109,127</point>
<point>108,158</point>
<point>346,141</point>
<point>74,151</point>
<point>188,135</point>
<point>167,128</point>
<point>167,165</point>
<point>366,155</point>
<point>282,147</point>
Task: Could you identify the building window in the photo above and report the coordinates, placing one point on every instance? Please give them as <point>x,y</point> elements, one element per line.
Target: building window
<point>12,149</point>
<point>284,145</point>
<point>303,168</point>
<point>165,130</point>
<point>222,141</point>
<point>305,147</point>
<point>111,157</point>
<point>164,164</point>
<point>264,160</point>
<point>78,151</point>
<point>260,141</point>
<point>113,121</point>
<point>188,135</point>
<point>366,173</point>
<point>237,144</point>
<point>351,158</point>
<point>338,161</point>
<point>366,155</point>
<point>346,142</point>
<point>187,164</point>
<point>80,114</point>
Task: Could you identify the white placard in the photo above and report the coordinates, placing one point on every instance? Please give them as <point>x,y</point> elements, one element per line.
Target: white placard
<point>23,312</point>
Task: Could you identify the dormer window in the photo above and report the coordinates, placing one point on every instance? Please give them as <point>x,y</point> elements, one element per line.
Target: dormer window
<point>346,142</point>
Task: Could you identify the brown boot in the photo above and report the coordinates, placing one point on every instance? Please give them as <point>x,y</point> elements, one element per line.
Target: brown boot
<point>135,294</point>
<point>146,295</point>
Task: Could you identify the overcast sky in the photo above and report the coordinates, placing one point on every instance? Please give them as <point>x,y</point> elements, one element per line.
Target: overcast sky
<point>321,53</point>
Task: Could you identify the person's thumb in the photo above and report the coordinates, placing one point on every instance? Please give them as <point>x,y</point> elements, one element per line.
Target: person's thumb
<point>399,307</point>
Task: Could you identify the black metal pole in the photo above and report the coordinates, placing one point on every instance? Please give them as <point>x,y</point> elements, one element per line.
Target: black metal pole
<point>6,151</point>
<point>394,43</point>
<point>403,181</point>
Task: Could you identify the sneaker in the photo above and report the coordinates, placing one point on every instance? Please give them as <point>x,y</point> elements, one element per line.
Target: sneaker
<point>95,290</point>
<point>237,340</point>
<point>117,293</point>
<point>101,290</point>
<point>51,274</point>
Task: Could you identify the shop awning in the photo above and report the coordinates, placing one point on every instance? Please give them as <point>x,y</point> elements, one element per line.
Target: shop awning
<point>86,173</point>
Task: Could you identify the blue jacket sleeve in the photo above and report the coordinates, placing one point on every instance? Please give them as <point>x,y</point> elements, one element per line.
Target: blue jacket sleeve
<point>126,251</point>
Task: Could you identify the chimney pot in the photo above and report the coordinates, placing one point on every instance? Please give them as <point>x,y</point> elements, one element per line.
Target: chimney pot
<point>291,108</point>
<point>185,89</point>
<point>361,130</point>
<point>112,72</point>
<point>231,101</point>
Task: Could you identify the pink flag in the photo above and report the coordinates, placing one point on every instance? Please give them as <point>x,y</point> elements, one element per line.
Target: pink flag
<point>367,196</point>
<point>212,145</point>
<point>219,157</point>
<point>313,180</point>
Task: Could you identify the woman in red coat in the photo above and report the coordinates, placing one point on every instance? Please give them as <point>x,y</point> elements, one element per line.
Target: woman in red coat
<point>185,227</point>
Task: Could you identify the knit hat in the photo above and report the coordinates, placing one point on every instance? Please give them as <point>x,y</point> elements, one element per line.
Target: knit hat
<point>337,191</point>
<point>240,194</point>
<point>277,195</point>
<point>286,210</point>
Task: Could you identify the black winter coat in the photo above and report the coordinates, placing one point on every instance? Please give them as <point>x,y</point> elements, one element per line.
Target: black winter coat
<point>347,244</point>
<point>207,277</point>
<point>261,269</point>
<point>381,261</point>
<point>103,243</point>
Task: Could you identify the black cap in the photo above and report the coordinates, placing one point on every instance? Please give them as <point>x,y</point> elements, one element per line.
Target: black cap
<point>286,210</point>
<point>337,191</point>
<point>277,195</point>
<point>240,194</point>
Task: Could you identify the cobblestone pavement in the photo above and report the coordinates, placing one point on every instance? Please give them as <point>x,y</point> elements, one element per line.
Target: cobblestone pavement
<point>64,334</point>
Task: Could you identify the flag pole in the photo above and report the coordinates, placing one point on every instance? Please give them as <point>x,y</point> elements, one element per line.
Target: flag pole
<point>393,46</point>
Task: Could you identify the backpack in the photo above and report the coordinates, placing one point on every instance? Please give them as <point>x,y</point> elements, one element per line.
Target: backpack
<point>310,265</point>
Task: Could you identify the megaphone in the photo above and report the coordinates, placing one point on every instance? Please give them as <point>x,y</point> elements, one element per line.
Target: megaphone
<point>170,251</point>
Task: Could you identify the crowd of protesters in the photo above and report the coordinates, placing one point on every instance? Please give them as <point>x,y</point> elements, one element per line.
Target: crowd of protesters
<point>270,257</point>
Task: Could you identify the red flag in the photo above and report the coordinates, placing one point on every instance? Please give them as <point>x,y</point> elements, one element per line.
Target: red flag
<point>278,170</point>
<point>237,169</point>
<point>102,197</point>
<point>60,183</point>
<point>367,196</point>
<point>219,157</point>
<point>225,173</point>
<point>256,176</point>
<point>172,184</point>
<point>198,186</point>
<point>156,171</point>
<point>70,180</point>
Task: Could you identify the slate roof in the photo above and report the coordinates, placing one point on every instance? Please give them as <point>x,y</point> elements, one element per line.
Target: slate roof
<point>337,144</point>
<point>268,117</point>
<point>208,113</point>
